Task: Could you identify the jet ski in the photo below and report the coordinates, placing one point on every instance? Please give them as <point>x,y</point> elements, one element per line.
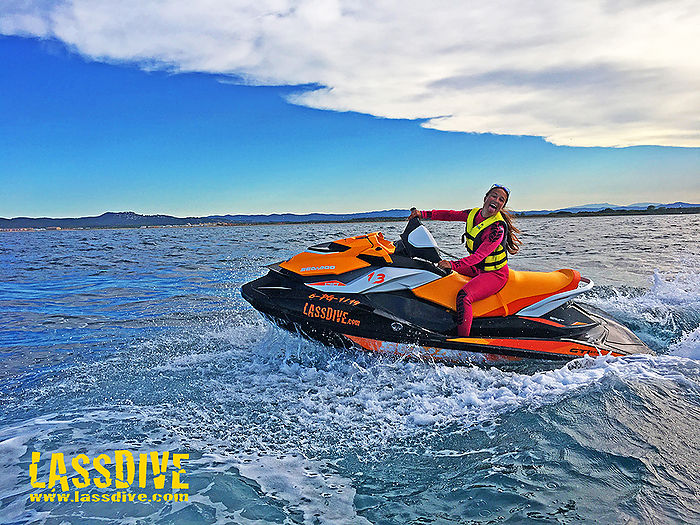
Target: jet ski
<point>369,293</point>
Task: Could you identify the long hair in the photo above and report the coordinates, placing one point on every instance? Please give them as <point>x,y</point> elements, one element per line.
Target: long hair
<point>513,243</point>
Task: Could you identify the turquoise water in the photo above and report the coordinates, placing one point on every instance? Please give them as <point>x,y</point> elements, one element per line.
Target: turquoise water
<point>139,340</point>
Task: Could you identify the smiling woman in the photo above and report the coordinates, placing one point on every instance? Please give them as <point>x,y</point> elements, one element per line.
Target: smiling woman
<point>489,236</point>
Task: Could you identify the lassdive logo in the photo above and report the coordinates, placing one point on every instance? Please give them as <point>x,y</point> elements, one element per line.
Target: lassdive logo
<point>118,470</point>
<point>327,313</point>
<point>316,268</point>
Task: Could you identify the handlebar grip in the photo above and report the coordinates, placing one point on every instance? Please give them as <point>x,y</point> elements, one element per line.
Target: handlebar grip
<point>445,271</point>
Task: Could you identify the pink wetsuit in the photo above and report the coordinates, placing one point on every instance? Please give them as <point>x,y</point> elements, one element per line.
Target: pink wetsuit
<point>482,283</point>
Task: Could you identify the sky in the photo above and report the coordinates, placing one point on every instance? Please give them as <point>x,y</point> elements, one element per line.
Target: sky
<point>336,106</point>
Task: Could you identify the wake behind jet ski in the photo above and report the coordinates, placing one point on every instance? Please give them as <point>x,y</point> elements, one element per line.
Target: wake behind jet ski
<point>367,292</point>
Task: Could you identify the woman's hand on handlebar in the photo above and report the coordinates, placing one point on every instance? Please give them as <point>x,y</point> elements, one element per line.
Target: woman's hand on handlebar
<point>414,213</point>
<point>445,265</point>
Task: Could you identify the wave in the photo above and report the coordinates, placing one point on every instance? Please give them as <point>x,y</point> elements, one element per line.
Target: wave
<point>665,316</point>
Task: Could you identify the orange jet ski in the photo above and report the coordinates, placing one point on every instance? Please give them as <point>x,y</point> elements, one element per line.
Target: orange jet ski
<point>369,293</point>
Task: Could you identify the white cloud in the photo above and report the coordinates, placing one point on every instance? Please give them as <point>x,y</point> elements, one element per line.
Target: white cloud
<point>580,73</point>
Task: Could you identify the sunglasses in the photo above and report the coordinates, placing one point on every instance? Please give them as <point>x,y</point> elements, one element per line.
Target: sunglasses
<point>504,188</point>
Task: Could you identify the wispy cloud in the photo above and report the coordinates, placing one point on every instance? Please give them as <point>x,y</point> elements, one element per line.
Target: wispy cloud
<point>579,73</point>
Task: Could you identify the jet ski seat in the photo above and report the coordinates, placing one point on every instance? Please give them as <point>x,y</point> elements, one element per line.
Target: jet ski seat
<point>523,289</point>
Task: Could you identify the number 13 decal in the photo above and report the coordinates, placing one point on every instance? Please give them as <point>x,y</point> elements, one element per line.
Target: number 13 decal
<point>376,279</point>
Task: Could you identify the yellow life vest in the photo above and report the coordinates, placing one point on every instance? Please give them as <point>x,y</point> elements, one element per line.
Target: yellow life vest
<point>473,239</point>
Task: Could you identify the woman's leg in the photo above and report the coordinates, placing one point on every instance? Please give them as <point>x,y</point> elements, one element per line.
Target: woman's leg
<point>480,287</point>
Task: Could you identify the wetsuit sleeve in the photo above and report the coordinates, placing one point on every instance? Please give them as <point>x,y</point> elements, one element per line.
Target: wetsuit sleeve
<point>493,236</point>
<point>445,215</point>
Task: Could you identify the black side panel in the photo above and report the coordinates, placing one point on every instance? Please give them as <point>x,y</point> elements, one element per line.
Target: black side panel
<point>405,306</point>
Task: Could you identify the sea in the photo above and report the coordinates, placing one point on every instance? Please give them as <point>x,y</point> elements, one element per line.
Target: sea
<point>138,387</point>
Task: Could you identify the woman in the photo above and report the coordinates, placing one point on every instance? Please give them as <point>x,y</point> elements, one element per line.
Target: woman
<point>489,235</point>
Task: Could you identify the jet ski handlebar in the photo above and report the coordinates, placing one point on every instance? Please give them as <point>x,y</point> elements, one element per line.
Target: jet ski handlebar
<point>417,242</point>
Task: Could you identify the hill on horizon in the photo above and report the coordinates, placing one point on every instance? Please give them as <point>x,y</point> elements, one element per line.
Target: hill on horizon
<point>135,220</point>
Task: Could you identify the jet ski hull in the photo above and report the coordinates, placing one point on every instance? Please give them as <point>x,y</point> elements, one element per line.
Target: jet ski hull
<point>399,323</point>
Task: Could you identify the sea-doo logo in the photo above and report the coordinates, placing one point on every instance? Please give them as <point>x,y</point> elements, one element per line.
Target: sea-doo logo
<point>316,268</point>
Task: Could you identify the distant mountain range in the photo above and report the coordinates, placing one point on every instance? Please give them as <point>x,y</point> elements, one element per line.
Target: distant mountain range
<point>606,205</point>
<point>129,219</point>
<point>135,220</point>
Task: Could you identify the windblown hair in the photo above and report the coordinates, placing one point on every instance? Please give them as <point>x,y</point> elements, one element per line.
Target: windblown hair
<point>513,243</point>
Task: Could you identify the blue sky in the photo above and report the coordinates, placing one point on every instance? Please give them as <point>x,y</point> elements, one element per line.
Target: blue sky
<point>89,125</point>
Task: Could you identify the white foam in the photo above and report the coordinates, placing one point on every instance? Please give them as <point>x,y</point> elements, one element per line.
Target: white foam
<point>305,486</point>
<point>667,290</point>
<point>670,307</point>
<point>688,346</point>
<point>380,405</point>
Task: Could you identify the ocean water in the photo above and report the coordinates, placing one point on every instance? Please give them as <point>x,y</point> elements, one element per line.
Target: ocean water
<point>139,340</point>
